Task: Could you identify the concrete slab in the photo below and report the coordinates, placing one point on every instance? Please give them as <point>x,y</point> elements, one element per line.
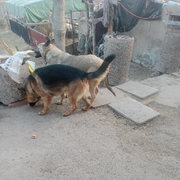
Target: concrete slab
<point>169,96</point>
<point>134,110</point>
<point>177,74</point>
<point>105,97</point>
<point>169,88</point>
<point>137,89</point>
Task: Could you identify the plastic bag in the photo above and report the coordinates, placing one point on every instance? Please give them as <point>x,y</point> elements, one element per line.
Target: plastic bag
<point>13,64</point>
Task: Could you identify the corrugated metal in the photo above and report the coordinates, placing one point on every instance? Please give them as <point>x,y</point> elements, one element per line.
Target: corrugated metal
<point>36,37</point>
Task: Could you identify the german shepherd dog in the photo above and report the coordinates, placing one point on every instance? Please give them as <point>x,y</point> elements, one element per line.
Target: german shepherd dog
<point>57,79</point>
<point>88,63</point>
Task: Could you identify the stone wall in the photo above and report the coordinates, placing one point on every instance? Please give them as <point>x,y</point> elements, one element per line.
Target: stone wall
<point>148,38</point>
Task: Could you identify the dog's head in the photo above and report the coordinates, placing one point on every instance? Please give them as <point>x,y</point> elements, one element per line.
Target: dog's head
<point>37,53</point>
<point>43,48</point>
<point>31,96</point>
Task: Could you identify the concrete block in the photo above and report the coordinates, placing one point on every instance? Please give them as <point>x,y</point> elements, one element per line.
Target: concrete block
<point>134,110</point>
<point>10,91</point>
<point>122,46</point>
<point>105,97</point>
<point>137,89</point>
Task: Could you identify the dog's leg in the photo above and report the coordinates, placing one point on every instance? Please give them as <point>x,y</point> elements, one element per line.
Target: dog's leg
<point>91,86</point>
<point>97,90</point>
<point>73,92</point>
<point>47,102</point>
<point>61,101</point>
<point>74,106</point>
<point>93,89</point>
<point>93,96</point>
<point>85,98</point>
<point>76,91</point>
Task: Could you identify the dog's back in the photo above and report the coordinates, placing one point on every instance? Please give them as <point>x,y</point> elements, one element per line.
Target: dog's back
<point>58,72</point>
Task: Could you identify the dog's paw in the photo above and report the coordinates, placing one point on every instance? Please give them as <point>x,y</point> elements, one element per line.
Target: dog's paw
<point>65,115</point>
<point>41,113</point>
<point>85,108</point>
<point>59,103</point>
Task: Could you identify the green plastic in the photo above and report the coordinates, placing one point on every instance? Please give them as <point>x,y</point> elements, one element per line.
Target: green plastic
<point>37,10</point>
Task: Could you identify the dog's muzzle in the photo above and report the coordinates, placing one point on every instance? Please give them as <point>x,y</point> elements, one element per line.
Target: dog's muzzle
<point>32,104</point>
<point>37,53</point>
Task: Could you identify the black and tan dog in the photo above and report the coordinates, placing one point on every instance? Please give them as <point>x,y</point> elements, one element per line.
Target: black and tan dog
<point>55,80</point>
<point>88,63</point>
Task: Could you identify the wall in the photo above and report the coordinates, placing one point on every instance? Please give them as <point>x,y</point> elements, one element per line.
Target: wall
<point>148,37</point>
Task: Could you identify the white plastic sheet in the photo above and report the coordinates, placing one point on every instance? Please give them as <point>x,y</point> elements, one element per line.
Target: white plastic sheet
<point>13,64</point>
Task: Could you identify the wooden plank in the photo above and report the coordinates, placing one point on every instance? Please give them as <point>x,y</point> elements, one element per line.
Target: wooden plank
<point>37,24</point>
<point>17,104</point>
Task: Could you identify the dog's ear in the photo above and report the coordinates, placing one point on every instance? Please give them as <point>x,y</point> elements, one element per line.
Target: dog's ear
<point>47,43</point>
<point>29,88</point>
<point>52,41</point>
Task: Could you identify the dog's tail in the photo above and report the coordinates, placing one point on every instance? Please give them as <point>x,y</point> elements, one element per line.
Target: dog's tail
<point>106,84</point>
<point>102,69</point>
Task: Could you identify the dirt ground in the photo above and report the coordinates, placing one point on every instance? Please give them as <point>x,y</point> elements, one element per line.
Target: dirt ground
<point>98,144</point>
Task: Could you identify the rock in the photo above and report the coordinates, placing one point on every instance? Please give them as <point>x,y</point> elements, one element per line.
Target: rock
<point>10,91</point>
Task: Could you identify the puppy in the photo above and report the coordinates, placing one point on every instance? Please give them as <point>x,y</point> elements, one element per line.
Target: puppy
<point>55,80</point>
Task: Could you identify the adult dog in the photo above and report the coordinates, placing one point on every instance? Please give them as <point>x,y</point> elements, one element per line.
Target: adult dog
<point>88,63</point>
<point>58,79</point>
